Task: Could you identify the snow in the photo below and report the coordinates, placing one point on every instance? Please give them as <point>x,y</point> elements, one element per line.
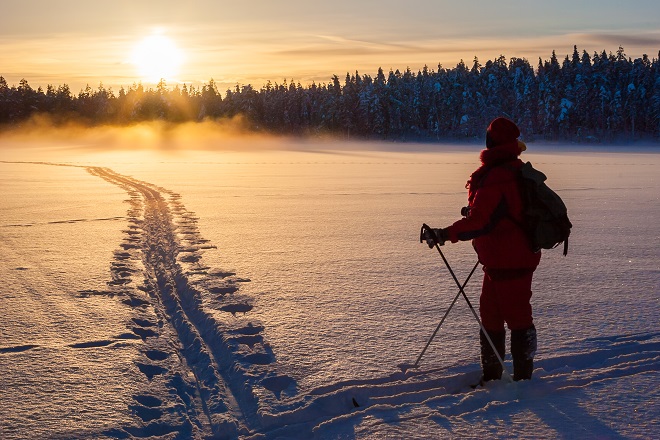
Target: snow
<point>272,293</point>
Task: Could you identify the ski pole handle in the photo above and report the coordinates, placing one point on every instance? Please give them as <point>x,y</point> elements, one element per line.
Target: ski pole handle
<point>427,229</point>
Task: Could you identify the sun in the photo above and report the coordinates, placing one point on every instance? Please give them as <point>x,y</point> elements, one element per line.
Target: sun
<point>157,57</point>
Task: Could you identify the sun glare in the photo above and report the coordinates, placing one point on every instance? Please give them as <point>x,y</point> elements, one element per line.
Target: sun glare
<point>157,57</point>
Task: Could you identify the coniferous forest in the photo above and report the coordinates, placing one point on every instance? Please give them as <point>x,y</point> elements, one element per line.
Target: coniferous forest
<point>583,98</point>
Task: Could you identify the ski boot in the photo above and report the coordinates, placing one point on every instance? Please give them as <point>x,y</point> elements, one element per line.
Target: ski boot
<point>523,349</point>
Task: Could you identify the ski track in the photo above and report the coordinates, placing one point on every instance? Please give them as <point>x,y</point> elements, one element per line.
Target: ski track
<point>226,356</point>
<point>211,373</point>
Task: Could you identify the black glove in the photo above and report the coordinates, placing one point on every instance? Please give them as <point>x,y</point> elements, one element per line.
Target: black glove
<point>435,236</point>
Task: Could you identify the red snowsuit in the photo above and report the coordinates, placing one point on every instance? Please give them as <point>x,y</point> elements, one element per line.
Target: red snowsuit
<point>501,245</point>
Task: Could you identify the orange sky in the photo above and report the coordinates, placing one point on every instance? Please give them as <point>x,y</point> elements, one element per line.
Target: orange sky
<point>79,43</point>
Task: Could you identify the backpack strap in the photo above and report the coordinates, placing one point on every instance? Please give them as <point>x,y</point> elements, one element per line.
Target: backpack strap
<point>517,173</point>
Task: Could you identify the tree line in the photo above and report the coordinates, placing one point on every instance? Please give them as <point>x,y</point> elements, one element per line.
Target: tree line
<point>585,98</point>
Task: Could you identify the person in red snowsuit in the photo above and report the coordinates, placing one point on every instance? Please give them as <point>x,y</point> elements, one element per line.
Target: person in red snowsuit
<point>494,216</point>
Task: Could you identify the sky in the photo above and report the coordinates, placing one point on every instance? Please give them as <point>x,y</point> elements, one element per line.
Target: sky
<point>78,42</point>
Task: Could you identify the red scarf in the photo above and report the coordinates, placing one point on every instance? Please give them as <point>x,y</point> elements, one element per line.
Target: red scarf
<point>490,158</point>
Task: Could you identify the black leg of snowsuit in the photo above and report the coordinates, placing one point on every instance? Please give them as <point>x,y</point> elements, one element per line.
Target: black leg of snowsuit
<point>523,349</point>
<point>492,369</point>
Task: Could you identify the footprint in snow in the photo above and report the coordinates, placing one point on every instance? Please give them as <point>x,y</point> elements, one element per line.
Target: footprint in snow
<point>221,274</point>
<point>157,355</point>
<point>236,308</point>
<point>277,384</point>
<point>17,349</point>
<point>127,246</point>
<point>249,329</point>
<point>127,336</point>
<point>118,282</point>
<point>249,340</point>
<point>134,301</point>
<point>223,290</point>
<point>86,293</point>
<point>150,370</point>
<point>91,344</point>
<point>147,400</point>
<point>143,322</point>
<point>192,258</point>
<point>145,413</point>
<point>258,358</point>
<point>144,333</point>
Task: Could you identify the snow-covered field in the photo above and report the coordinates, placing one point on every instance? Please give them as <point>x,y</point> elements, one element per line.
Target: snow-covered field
<point>271,293</point>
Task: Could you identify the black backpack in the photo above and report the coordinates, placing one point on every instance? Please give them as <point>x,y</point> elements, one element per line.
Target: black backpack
<point>545,217</point>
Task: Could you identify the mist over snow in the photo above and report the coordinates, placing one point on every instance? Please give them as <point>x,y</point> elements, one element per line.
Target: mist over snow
<point>174,284</point>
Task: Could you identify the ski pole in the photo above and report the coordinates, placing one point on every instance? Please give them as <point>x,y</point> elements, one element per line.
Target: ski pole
<point>506,374</point>
<point>419,358</point>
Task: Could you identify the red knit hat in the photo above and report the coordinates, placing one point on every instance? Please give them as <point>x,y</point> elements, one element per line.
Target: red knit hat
<point>501,131</point>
